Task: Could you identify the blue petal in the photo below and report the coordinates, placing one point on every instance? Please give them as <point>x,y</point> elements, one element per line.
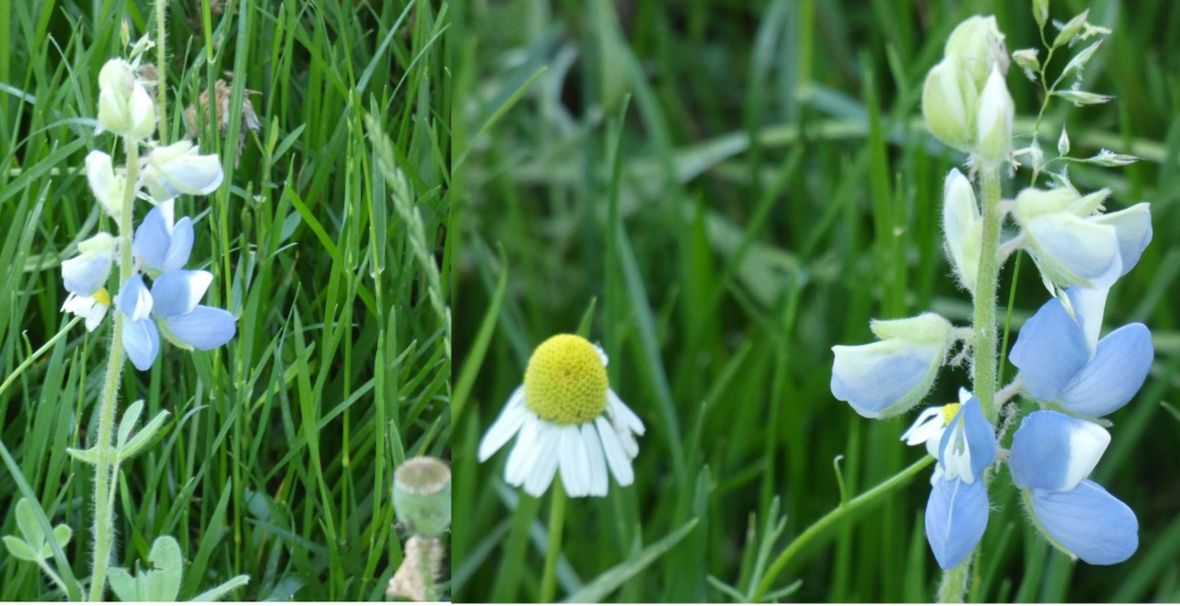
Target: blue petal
<point>1115,374</point>
<point>1088,522</point>
<point>884,378</point>
<point>178,292</point>
<point>152,238</point>
<point>134,299</point>
<point>979,434</point>
<point>1049,351</point>
<point>180,246</point>
<point>956,516</point>
<point>204,328</point>
<point>141,339</point>
<point>1054,451</point>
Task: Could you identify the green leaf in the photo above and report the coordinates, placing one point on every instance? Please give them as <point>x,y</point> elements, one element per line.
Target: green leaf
<point>144,437</point>
<point>26,520</point>
<point>124,585</point>
<point>20,549</point>
<point>127,423</point>
<point>598,589</point>
<point>62,533</point>
<point>219,592</point>
<point>159,584</point>
<point>88,456</point>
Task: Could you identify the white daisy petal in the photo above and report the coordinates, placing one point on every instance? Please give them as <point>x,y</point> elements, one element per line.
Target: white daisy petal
<point>575,466</point>
<point>616,457</point>
<point>505,426</point>
<point>547,457</point>
<point>596,464</point>
<point>522,457</point>
<point>620,409</point>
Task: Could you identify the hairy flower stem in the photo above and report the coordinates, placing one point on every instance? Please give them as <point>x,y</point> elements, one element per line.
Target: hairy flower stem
<point>104,467</point>
<point>556,525</point>
<point>954,581</point>
<point>162,69</point>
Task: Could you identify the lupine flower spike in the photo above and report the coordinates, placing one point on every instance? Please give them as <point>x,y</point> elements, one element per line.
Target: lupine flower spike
<point>565,416</point>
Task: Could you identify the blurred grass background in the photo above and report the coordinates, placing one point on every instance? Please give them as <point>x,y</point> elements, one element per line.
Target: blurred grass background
<point>277,460</point>
<point>729,188</point>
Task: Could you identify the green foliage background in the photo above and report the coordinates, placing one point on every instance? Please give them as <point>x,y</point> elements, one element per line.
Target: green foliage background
<point>728,189</point>
<point>278,457</point>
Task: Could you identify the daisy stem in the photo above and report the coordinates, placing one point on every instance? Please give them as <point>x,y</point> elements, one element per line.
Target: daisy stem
<point>556,524</point>
<point>104,511</point>
<point>954,581</point>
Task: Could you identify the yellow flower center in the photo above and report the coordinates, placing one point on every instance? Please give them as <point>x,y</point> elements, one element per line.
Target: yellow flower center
<point>102,296</point>
<point>949,411</point>
<point>565,381</point>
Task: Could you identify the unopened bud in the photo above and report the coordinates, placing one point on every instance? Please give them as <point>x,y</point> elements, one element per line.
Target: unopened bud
<point>422,495</point>
<point>996,110</point>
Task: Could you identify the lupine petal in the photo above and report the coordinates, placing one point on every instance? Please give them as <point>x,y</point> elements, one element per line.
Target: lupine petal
<point>1054,451</point>
<point>1089,305</point>
<point>1073,250</point>
<point>180,245</point>
<point>1088,522</point>
<point>885,378</point>
<point>85,273</point>
<point>961,225</point>
<point>1049,351</point>
<point>153,238</point>
<point>956,516</point>
<point>1133,228</point>
<point>141,340</point>
<point>1116,373</point>
<point>980,437</point>
<point>134,299</point>
<point>204,328</point>
<point>178,292</point>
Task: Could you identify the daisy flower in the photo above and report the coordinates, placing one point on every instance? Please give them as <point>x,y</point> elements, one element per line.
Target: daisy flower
<point>565,416</point>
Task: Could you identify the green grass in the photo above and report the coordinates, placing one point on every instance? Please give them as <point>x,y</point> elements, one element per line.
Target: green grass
<point>728,189</point>
<point>328,242</point>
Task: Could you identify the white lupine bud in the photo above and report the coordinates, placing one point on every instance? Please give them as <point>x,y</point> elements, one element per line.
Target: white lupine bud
<point>181,169</point>
<point>949,102</point>
<point>979,44</point>
<point>996,109</point>
<point>124,106</point>
<point>1063,142</point>
<point>1041,12</point>
<point>108,187</point>
<point>962,228</point>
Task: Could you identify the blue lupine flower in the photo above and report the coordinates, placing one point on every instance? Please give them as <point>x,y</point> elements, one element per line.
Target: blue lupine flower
<point>891,376</point>
<point>1062,361</point>
<point>174,297</point>
<point>1052,455</point>
<point>85,277</point>
<point>957,510</point>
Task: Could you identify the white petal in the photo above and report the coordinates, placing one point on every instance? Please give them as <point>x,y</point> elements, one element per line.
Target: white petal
<point>597,464</point>
<point>620,465</point>
<point>928,423</point>
<point>548,456</point>
<point>575,464</point>
<point>619,409</point>
<point>94,316</point>
<point>522,457</point>
<point>505,426</point>
<point>1075,251</point>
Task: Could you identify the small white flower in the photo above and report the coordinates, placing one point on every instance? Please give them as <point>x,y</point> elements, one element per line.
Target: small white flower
<point>565,416</point>
<point>93,308</point>
<point>932,422</point>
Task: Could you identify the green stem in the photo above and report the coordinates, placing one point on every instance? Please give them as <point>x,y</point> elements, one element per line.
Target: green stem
<point>830,519</point>
<point>37,354</point>
<point>162,69</point>
<point>954,581</point>
<point>984,320</point>
<point>104,468</point>
<point>556,524</point>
